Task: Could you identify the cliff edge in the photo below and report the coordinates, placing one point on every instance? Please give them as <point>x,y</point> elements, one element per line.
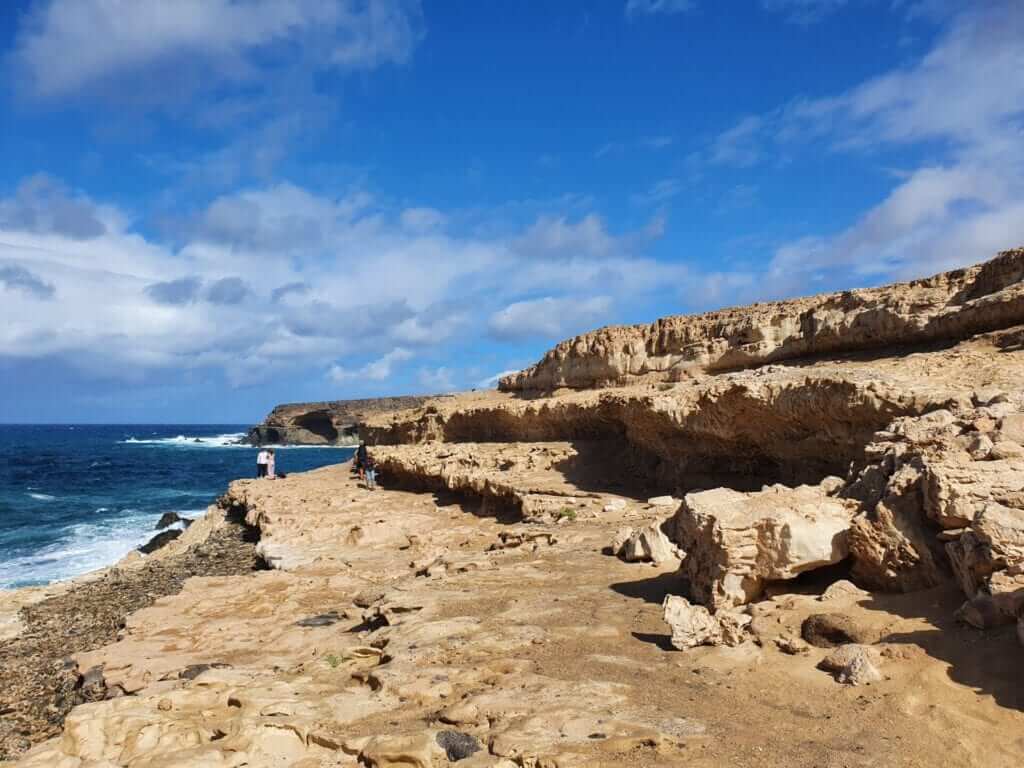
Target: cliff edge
<point>948,306</point>
<point>333,422</point>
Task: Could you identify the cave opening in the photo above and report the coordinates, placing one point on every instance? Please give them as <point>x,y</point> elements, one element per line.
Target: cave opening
<point>319,423</point>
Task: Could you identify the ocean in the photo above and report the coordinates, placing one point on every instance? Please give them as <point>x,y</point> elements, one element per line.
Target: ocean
<point>74,498</point>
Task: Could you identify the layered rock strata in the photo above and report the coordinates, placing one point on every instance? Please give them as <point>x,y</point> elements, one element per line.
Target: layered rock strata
<point>952,305</point>
<point>326,423</point>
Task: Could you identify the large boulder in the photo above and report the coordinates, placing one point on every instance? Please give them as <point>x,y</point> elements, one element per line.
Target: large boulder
<point>737,542</point>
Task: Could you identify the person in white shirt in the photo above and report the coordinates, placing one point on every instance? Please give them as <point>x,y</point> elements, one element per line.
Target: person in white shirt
<point>262,459</point>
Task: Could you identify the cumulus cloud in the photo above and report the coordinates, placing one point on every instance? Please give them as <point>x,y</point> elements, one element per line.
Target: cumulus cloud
<point>376,370</point>
<point>15,278</point>
<point>44,205</point>
<point>440,379</point>
<point>184,290</point>
<point>205,42</point>
<point>227,290</point>
<point>961,100</point>
<point>548,317</point>
<point>278,278</point>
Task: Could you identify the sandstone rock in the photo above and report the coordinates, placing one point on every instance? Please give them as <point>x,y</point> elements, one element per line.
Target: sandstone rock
<point>792,645</point>
<point>994,542</point>
<point>615,505</point>
<point>1006,449</point>
<point>645,545</point>
<point>948,306</point>
<point>891,543</point>
<point>418,751</point>
<point>843,590</point>
<point>736,542</point>
<point>828,630</point>
<point>1011,427</point>
<point>693,625</point>
<point>980,446</point>
<point>852,664</point>
<point>662,501</point>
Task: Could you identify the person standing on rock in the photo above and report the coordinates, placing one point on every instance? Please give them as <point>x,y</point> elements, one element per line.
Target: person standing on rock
<point>261,463</point>
<point>271,464</point>
<point>361,458</point>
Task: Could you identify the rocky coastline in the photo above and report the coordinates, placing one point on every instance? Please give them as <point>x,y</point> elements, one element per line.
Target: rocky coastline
<point>334,422</point>
<point>791,534</point>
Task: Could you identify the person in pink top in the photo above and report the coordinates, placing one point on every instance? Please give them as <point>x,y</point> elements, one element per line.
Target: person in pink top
<point>271,473</point>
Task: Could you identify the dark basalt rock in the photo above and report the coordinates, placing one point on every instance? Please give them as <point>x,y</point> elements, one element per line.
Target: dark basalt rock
<point>167,519</point>
<point>458,745</point>
<point>158,541</point>
<point>323,620</point>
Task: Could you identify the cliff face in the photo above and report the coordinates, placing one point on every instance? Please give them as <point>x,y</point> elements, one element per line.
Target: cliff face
<point>326,423</point>
<point>949,306</point>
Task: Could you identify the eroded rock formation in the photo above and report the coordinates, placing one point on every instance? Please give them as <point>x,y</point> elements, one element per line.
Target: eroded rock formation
<point>326,423</point>
<point>949,306</point>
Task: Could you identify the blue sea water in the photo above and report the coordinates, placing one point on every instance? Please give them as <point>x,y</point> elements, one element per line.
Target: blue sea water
<point>74,498</point>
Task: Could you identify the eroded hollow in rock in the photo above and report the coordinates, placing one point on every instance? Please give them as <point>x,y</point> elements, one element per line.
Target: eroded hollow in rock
<point>319,423</point>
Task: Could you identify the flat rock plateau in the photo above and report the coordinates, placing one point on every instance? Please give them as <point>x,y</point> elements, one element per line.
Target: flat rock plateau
<point>784,535</point>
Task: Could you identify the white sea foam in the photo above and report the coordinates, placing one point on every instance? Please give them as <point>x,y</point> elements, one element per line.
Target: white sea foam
<point>233,440</point>
<point>42,497</point>
<point>84,547</point>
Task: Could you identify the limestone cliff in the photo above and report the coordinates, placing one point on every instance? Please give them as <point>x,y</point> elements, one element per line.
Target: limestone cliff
<point>949,306</point>
<point>333,422</point>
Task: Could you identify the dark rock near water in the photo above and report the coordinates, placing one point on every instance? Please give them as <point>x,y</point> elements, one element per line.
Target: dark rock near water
<point>167,519</point>
<point>458,745</point>
<point>160,540</point>
<point>38,688</point>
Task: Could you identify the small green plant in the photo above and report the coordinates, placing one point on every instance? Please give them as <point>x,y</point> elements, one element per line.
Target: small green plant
<point>333,660</point>
<point>567,512</point>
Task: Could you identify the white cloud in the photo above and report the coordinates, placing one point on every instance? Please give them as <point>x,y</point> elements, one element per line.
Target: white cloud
<point>652,7</point>
<point>963,102</point>
<point>376,370</point>
<point>549,317</point>
<point>437,379</point>
<point>203,40</point>
<point>740,145</point>
<point>658,193</point>
<point>277,278</point>
<point>803,11</point>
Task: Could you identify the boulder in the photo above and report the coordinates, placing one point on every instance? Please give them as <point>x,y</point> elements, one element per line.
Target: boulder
<point>829,630</point>
<point>693,625</point>
<point>852,664</point>
<point>737,542</point>
<point>645,545</point>
<point>167,519</point>
<point>162,539</point>
<point>892,545</point>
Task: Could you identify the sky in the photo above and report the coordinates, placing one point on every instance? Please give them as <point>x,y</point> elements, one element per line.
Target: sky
<point>208,207</point>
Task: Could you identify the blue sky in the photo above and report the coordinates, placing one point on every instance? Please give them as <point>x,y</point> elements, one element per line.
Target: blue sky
<point>211,206</point>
